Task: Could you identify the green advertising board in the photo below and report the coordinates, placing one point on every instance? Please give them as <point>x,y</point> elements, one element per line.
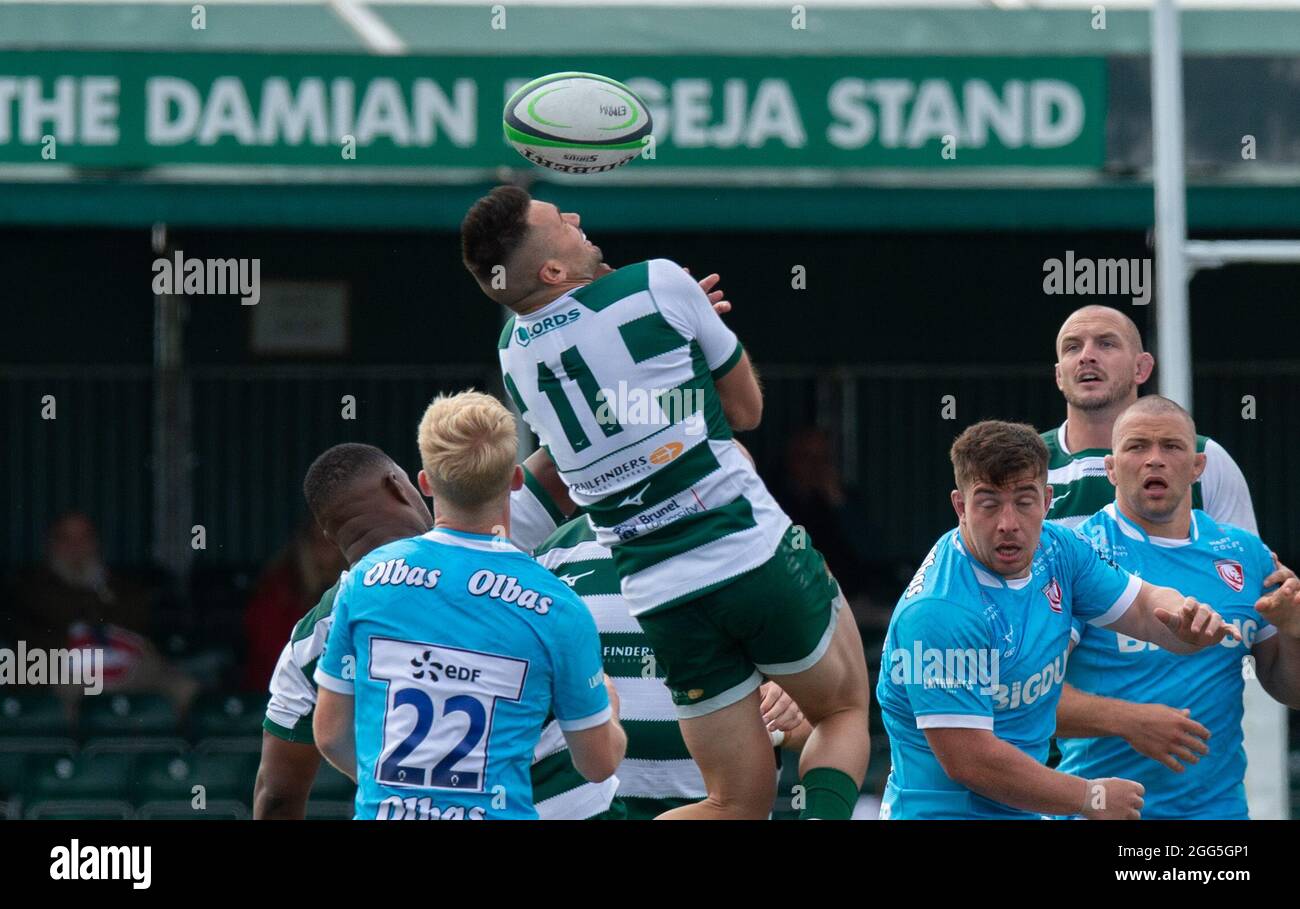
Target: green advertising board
<point>140,110</point>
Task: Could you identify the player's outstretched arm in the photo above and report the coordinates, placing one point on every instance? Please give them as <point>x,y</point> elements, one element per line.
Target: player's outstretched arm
<point>333,730</point>
<point>1277,658</point>
<point>998,770</point>
<point>284,779</point>
<point>1164,734</point>
<point>1176,623</point>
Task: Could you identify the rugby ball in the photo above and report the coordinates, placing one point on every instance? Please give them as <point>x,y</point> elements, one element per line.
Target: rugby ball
<point>577,123</point>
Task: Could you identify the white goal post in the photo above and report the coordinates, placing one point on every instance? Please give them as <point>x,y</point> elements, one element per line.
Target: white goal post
<point>1177,258</point>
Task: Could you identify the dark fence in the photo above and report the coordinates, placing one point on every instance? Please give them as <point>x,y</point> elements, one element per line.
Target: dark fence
<point>254,431</point>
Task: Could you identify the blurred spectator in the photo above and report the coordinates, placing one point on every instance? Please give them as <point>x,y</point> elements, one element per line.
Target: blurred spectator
<point>811,490</point>
<point>292,584</point>
<point>72,599</point>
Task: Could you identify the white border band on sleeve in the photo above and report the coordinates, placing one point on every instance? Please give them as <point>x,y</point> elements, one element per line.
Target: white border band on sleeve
<point>1265,633</point>
<point>586,722</point>
<point>1117,610</point>
<point>332,683</point>
<point>954,721</point>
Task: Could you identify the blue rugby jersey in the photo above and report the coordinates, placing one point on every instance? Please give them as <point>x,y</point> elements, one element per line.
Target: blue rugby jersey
<point>1224,567</point>
<point>967,648</point>
<point>455,646</point>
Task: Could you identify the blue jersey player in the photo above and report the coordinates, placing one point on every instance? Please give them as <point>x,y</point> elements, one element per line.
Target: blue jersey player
<point>448,650</point>
<point>976,649</point>
<point>1151,529</point>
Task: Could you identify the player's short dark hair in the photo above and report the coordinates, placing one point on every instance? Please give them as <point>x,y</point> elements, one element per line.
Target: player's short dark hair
<point>335,469</point>
<point>997,452</point>
<point>493,230</point>
<point>1154,406</point>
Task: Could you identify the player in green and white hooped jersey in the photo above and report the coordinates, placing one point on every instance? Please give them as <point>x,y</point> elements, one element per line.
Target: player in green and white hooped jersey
<point>634,386</point>
<point>1100,364</point>
<point>657,774</point>
<point>362,500</point>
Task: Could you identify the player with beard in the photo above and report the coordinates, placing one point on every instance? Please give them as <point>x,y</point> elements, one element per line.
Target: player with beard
<point>634,387</point>
<point>1100,364</point>
<point>976,649</point>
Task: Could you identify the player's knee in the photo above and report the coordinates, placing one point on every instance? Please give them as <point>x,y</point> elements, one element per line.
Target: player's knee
<point>747,796</point>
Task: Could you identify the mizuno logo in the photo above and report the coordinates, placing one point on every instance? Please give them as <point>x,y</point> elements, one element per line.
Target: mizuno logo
<point>573,579</point>
<point>635,499</point>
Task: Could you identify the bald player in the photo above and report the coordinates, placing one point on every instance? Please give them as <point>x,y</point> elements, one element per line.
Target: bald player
<point>1100,364</point>
<point>1151,529</point>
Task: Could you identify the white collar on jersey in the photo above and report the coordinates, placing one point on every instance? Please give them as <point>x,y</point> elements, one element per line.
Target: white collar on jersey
<point>1060,437</point>
<point>1132,530</point>
<point>481,542</point>
<point>986,577</point>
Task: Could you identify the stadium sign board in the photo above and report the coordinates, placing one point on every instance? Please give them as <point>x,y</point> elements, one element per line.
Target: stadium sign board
<point>140,110</point>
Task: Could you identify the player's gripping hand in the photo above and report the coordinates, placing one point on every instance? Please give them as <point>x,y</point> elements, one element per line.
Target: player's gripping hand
<point>1196,624</point>
<point>1282,608</point>
<point>1113,799</point>
<point>780,712</point>
<point>721,305</point>
<point>1165,734</point>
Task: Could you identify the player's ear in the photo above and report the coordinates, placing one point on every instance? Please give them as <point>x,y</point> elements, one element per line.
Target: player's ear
<point>423,480</point>
<point>517,479</point>
<point>1047,498</point>
<point>1057,370</point>
<point>392,487</point>
<point>1109,463</point>
<point>958,503</point>
<point>1198,466</point>
<point>552,272</point>
<point>1146,365</point>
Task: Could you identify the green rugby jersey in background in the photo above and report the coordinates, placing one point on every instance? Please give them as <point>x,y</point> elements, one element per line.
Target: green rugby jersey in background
<point>657,774</point>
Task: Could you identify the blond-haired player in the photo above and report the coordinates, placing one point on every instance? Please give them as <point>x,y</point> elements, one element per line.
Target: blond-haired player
<point>448,650</point>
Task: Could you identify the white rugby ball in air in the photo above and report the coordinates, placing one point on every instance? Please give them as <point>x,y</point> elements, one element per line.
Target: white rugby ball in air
<point>577,123</point>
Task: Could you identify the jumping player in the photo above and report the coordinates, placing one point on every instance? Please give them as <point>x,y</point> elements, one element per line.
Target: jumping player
<point>634,387</point>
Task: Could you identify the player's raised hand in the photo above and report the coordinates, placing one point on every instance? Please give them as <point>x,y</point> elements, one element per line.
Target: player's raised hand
<point>1196,624</point>
<point>780,712</point>
<point>1165,734</point>
<point>1113,799</point>
<point>707,284</point>
<point>1282,608</point>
